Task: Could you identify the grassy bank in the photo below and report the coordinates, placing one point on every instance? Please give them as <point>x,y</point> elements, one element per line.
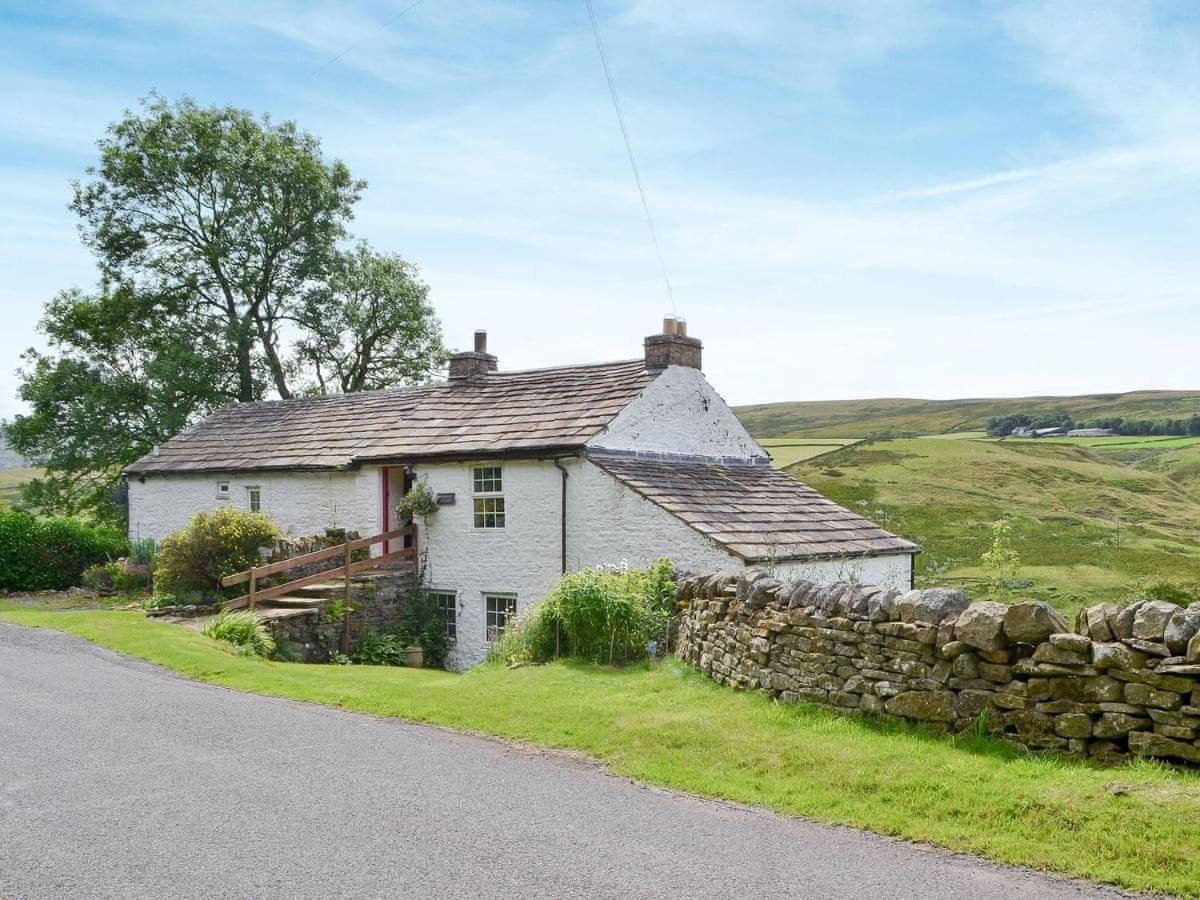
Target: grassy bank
<point>665,725</point>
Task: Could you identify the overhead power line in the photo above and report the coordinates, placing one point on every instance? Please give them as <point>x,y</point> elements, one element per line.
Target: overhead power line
<point>637,175</point>
<point>379,27</point>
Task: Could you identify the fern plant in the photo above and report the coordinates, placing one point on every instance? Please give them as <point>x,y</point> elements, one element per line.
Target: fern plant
<point>244,630</point>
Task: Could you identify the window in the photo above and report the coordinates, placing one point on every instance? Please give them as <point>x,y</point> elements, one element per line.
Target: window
<point>501,608</point>
<point>254,498</point>
<point>222,490</point>
<point>447,607</point>
<point>488,484</point>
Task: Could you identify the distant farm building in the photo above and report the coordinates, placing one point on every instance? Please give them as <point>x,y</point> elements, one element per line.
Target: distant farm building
<point>1091,432</point>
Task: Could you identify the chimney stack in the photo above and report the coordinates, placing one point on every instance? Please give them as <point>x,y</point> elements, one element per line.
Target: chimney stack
<point>474,365</point>
<point>673,347</point>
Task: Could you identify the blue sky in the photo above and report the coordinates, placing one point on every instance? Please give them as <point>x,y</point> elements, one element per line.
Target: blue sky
<point>854,197</point>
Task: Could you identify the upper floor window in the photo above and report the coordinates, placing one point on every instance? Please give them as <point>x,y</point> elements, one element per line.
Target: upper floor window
<point>488,488</point>
<point>222,490</point>
<point>254,498</point>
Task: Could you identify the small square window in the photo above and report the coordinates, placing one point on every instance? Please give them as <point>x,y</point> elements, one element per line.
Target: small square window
<point>254,498</point>
<point>488,480</point>
<point>447,607</point>
<point>489,512</point>
<point>222,490</point>
<point>501,609</point>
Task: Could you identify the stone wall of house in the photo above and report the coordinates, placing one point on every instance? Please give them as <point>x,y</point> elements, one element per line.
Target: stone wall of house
<point>1120,682</point>
<point>377,605</point>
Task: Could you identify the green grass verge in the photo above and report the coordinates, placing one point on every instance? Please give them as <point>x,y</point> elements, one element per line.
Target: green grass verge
<point>668,726</point>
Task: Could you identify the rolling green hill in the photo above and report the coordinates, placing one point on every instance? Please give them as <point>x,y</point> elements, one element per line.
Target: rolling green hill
<point>858,418</point>
<point>1089,523</point>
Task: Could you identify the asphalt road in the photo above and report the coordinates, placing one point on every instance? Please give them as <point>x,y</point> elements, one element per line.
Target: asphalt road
<point>118,779</point>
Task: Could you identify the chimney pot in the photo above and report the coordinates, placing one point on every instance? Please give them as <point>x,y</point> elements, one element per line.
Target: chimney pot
<point>473,365</point>
<point>673,347</point>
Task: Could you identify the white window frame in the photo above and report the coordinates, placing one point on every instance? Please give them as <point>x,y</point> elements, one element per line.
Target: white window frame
<point>487,498</point>
<point>449,612</point>
<point>223,492</point>
<point>491,631</point>
<point>253,498</point>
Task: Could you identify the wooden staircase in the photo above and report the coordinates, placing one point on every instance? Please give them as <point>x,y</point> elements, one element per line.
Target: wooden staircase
<point>309,594</point>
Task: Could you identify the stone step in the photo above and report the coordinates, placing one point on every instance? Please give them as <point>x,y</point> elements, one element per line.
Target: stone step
<point>292,602</point>
<point>326,590</point>
<point>276,613</point>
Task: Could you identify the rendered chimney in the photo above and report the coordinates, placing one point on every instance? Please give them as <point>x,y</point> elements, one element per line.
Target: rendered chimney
<point>474,365</point>
<point>673,347</point>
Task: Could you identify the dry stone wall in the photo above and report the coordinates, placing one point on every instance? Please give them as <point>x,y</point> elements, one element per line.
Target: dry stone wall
<point>1119,682</point>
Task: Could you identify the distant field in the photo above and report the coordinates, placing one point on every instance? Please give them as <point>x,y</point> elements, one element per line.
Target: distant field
<point>12,479</point>
<point>909,417</point>
<point>1121,441</point>
<point>789,451</point>
<point>1090,523</point>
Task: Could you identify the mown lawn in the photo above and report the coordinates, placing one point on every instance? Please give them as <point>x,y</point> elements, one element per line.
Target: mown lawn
<point>665,725</point>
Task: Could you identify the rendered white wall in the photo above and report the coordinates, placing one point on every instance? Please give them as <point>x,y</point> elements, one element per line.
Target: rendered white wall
<point>607,523</point>
<point>523,558</point>
<point>679,412</point>
<point>301,502</point>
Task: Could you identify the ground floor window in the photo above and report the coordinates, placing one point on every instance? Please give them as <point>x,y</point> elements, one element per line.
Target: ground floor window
<point>446,603</point>
<point>501,609</point>
<point>254,498</point>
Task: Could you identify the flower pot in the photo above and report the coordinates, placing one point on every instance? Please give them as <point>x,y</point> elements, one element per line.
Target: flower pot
<point>414,657</point>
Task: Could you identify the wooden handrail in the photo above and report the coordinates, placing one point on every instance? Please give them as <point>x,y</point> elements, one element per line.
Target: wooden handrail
<point>305,559</point>
<point>345,570</point>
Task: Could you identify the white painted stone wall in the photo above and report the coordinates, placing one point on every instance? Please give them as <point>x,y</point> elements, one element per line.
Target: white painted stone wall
<point>607,524</point>
<point>301,502</point>
<point>679,412</point>
<point>523,558</point>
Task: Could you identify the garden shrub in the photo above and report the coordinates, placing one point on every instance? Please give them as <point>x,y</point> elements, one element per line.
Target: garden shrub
<point>421,623</point>
<point>50,554</point>
<point>244,630</point>
<point>602,615</point>
<point>374,649</point>
<point>121,577</point>
<point>212,545</point>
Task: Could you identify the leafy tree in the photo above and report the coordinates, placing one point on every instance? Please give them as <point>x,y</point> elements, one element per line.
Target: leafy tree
<point>217,237</point>
<point>235,214</point>
<point>123,372</point>
<point>1001,561</point>
<point>370,325</point>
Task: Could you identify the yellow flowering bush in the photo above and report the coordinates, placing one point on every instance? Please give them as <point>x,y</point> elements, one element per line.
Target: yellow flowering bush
<point>212,545</point>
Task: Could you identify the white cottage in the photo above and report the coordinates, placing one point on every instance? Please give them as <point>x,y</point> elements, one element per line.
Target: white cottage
<point>536,472</point>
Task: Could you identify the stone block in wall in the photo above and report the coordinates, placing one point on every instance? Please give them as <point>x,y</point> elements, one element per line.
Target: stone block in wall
<point>923,706</point>
<point>1093,621</point>
<point>1032,622</point>
<point>929,607</point>
<point>1151,618</point>
<point>981,625</point>
<point>1061,656</point>
<point>1073,725</point>
<point>1193,649</point>
<point>1116,656</point>
<point>1116,725</point>
<point>1148,743</point>
<point>1183,626</point>
<point>1144,695</point>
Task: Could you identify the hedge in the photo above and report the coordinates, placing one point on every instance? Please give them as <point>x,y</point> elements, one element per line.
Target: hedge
<point>50,554</point>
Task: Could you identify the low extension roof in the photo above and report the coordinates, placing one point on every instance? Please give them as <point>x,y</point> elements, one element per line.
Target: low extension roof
<point>543,409</point>
<point>754,511</point>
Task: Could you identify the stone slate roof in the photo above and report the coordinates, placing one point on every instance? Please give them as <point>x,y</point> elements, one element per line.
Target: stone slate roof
<point>754,511</point>
<point>542,409</point>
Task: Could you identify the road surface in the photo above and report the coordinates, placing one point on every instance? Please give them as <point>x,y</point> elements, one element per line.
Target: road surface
<point>119,779</point>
